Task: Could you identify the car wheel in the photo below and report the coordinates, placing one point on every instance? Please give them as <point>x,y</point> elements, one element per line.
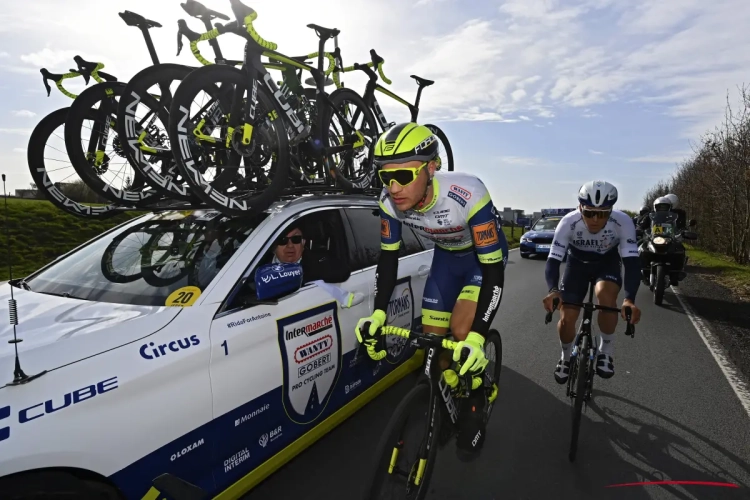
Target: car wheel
<point>39,485</point>
<point>524,256</point>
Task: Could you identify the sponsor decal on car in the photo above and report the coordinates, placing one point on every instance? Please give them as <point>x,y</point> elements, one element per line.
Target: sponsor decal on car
<point>150,350</point>
<point>400,312</point>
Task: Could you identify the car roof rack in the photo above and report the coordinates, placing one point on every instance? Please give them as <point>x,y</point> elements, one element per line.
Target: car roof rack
<point>288,194</point>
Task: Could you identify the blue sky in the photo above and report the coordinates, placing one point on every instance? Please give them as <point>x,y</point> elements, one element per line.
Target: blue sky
<point>536,96</point>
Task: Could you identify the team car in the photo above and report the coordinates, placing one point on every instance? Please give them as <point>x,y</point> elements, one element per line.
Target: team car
<point>538,239</point>
<point>155,349</point>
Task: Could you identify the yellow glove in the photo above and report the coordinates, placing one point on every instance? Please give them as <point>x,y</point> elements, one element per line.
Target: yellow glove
<point>475,362</point>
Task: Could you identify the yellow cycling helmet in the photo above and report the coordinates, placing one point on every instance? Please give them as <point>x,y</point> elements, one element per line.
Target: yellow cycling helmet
<point>406,142</point>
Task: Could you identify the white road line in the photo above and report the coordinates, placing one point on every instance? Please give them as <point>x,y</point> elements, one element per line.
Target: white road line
<point>717,351</point>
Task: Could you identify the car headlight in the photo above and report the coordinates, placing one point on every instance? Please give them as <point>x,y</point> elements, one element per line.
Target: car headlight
<point>659,240</point>
<point>524,239</point>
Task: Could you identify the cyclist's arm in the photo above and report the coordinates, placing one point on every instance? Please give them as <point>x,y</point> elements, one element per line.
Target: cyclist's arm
<point>557,253</point>
<point>390,240</point>
<point>485,234</point>
<point>630,259</point>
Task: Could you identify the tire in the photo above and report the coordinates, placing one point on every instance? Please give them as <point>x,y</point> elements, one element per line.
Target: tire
<point>524,255</point>
<point>416,399</point>
<point>370,131</point>
<point>493,339</point>
<point>581,374</point>
<point>248,202</point>
<point>55,484</point>
<point>660,285</point>
<point>83,109</point>
<point>444,139</point>
<point>164,180</point>
<point>35,157</point>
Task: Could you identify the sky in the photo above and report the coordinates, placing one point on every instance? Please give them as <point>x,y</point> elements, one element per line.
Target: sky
<point>536,96</point>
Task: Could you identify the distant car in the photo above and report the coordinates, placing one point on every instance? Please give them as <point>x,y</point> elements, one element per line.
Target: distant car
<point>164,352</point>
<point>538,240</point>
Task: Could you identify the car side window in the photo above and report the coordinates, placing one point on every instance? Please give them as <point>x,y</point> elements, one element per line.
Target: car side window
<point>365,226</point>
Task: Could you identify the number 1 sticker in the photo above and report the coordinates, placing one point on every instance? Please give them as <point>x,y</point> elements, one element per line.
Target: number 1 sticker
<point>183,297</point>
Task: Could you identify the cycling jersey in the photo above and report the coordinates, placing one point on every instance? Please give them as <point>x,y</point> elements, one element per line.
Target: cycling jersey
<point>460,219</point>
<point>614,241</point>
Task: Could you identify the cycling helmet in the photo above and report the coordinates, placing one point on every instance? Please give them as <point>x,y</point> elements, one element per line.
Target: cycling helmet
<point>644,210</point>
<point>597,194</point>
<point>406,142</point>
<point>673,199</point>
<point>662,204</point>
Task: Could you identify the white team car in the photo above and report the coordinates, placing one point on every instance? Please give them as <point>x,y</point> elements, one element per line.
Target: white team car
<point>222,389</point>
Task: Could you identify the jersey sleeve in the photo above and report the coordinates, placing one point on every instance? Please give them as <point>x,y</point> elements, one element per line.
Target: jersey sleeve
<point>560,240</point>
<point>390,226</point>
<point>482,221</point>
<point>628,240</point>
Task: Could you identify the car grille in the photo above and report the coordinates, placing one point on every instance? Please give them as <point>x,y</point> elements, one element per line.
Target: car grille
<point>541,239</point>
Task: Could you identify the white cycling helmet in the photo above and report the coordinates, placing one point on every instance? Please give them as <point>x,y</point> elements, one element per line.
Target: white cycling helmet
<point>597,194</point>
<point>662,204</point>
<point>673,199</point>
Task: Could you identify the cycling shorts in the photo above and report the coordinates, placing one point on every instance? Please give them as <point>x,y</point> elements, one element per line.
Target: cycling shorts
<point>453,276</point>
<point>574,284</point>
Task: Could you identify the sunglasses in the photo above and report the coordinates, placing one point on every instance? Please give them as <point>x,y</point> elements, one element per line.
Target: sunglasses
<point>599,214</point>
<point>403,176</point>
<point>296,239</point>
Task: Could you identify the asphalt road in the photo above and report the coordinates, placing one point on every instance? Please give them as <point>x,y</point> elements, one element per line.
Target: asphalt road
<point>667,414</point>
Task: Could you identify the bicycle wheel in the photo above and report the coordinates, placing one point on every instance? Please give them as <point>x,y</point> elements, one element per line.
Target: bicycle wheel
<point>399,478</point>
<point>211,162</point>
<point>446,156</point>
<point>93,149</point>
<point>580,374</point>
<point>350,120</point>
<point>493,351</point>
<point>121,260</point>
<point>60,183</point>
<point>143,118</point>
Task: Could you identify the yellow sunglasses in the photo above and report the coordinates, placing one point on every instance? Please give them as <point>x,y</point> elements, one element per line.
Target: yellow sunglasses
<point>403,176</point>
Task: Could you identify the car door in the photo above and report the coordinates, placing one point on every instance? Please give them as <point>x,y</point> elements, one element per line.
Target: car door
<point>277,370</point>
<point>405,305</point>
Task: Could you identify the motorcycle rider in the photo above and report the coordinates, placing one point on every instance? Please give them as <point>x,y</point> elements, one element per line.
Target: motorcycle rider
<point>682,223</point>
<point>664,204</point>
<point>642,214</point>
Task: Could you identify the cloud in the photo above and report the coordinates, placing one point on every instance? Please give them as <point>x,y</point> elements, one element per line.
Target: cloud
<point>19,150</point>
<point>595,152</point>
<point>524,118</point>
<point>50,58</point>
<point>23,113</point>
<point>16,131</point>
<point>3,54</point>
<point>665,158</point>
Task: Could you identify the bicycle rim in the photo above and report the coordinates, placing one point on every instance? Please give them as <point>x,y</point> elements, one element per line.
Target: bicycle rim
<point>581,374</point>
<point>394,446</point>
<point>211,162</point>
<point>493,349</point>
<point>446,152</point>
<point>50,168</point>
<point>143,118</point>
<point>102,165</point>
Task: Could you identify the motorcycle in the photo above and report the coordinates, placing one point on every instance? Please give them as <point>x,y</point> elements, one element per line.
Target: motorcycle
<point>662,253</point>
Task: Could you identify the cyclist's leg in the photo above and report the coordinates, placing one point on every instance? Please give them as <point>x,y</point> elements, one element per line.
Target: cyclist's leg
<point>440,293</point>
<point>573,287</point>
<point>608,284</point>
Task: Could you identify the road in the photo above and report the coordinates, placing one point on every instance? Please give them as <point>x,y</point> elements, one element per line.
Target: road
<point>667,414</point>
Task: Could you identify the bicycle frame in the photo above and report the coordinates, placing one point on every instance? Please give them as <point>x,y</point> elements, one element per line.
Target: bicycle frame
<point>585,331</point>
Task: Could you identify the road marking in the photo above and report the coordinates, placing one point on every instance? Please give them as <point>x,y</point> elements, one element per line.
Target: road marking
<point>717,351</point>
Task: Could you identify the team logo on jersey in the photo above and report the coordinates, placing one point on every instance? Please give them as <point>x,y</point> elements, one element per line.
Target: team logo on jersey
<point>385,228</point>
<point>463,193</point>
<point>457,198</point>
<point>310,345</point>
<point>485,234</point>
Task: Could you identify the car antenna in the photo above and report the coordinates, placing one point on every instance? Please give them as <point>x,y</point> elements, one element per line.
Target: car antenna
<point>19,377</point>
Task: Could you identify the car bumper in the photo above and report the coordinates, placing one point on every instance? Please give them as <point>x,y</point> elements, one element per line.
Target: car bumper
<point>534,248</point>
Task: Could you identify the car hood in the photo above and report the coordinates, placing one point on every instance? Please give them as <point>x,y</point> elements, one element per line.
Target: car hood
<point>534,234</point>
<point>56,331</point>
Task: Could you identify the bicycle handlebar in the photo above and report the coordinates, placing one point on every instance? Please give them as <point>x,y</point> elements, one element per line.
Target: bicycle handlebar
<point>378,62</point>
<point>246,15</point>
<point>200,11</point>
<point>85,69</point>
<point>629,327</point>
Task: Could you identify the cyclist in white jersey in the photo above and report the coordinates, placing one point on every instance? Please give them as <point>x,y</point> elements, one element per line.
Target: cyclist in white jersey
<point>464,288</point>
<point>597,239</point>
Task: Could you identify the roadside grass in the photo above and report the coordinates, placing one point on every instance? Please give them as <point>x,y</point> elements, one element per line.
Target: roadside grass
<point>40,232</point>
<point>513,241</point>
<point>721,269</point>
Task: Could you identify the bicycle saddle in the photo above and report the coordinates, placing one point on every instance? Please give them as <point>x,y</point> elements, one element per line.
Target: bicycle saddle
<point>197,9</point>
<point>423,82</point>
<point>324,32</point>
<point>133,19</point>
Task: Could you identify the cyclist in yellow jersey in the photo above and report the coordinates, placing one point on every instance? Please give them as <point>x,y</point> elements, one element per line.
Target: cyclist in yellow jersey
<point>464,288</point>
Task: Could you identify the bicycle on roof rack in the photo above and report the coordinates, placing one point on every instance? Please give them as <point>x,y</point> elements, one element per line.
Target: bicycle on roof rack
<point>580,384</point>
<point>261,128</point>
<point>368,177</point>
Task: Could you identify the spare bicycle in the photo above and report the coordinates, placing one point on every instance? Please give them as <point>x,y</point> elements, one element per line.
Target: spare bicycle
<point>583,360</point>
<point>431,409</point>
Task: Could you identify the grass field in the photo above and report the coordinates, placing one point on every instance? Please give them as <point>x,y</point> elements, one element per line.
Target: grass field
<point>40,232</point>
<point>731,274</point>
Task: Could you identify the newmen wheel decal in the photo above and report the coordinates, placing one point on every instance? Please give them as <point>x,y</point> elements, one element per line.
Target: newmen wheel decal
<point>310,346</point>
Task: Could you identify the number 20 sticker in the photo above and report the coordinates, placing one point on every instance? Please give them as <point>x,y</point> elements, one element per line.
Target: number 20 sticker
<point>183,297</point>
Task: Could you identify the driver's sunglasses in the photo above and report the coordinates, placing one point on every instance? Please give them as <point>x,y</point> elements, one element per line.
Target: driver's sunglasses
<point>296,239</point>
<point>403,176</point>
<point>601,214</point>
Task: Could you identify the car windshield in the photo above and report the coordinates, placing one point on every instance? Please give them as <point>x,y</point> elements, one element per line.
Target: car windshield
<point>147,259</point>
<point>546,224</point>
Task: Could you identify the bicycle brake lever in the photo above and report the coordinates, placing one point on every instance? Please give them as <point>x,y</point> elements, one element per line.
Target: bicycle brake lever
<point>629,327</point>
<point>548,317</point>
